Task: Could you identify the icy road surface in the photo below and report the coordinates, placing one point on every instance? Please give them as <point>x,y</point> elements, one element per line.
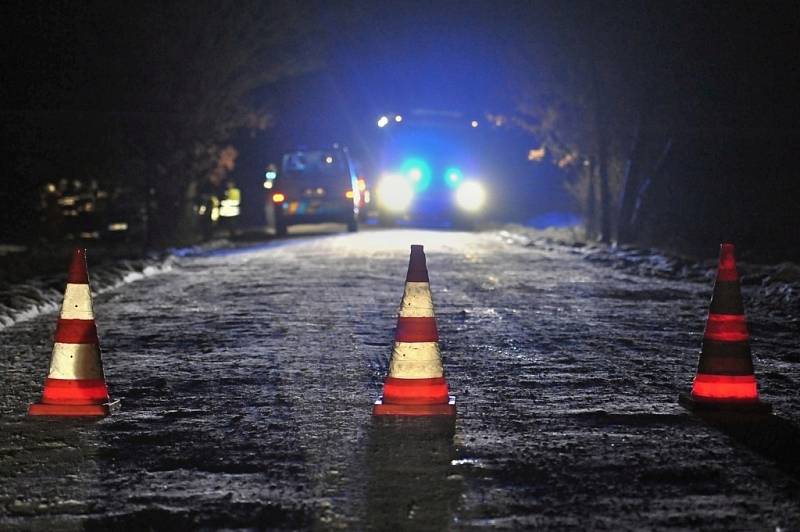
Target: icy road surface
<point>247,379</point>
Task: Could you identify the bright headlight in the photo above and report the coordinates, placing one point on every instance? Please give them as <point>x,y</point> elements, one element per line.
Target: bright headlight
<point>395,193</point>
<point>470,196</point>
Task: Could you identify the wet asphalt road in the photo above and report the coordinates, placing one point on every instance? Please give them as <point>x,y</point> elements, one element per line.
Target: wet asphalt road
<point>247,378</point>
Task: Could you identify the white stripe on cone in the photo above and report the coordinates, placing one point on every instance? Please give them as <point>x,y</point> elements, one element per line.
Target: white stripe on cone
<point>417,360</point>
<point>417,301</point>
<point>77,302</point>
<point>75,362</point>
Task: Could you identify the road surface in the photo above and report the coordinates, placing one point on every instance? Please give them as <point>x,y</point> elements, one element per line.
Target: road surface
<point>247,377</point>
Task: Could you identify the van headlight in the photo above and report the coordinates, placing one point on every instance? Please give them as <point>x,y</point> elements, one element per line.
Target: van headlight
<point>395,193</point>
<point>470,196</point>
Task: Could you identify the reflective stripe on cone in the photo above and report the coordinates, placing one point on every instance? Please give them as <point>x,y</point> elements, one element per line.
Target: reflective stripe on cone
<point>75,361</point>
<point>416,360</point>
<point>77,303</point>
<point>75,391</point>
<point>725,387</point>
<point>726,328</point>
<point>415,391</point>
<point>417,301</point>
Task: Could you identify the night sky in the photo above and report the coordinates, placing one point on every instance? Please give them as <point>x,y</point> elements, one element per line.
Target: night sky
<point>739,59</point>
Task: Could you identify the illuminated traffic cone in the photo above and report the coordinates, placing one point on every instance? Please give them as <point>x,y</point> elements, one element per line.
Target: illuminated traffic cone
<point>416,385</point>
<point>75,385</point>
<point>725,380</point>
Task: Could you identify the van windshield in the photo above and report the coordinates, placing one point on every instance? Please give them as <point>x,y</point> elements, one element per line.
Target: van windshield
<point>314,167</point>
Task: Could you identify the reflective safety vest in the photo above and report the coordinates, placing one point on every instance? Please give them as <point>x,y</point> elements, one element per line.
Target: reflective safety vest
<point>229,207</point>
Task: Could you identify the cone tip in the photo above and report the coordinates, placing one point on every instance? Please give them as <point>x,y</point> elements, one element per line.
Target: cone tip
<point>727,262</point>
<point>417,269</point>
<point>77,268</point>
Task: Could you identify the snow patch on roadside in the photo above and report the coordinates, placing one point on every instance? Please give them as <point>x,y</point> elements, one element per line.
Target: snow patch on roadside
<point>201,249</point>
<point>39,295</point>
<point>775,287</point>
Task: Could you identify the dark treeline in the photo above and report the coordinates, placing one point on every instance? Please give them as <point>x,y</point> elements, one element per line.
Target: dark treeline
<point>676,120</point>
<point>140,99</point>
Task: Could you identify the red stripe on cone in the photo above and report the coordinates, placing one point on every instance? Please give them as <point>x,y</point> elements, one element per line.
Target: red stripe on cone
<point>76,332</point>
<point>416,330</point>
<point>75,392</point>
<point>725,387</point>
<point>415,391</point>
<point>78,273</point>
<point>726,328</point>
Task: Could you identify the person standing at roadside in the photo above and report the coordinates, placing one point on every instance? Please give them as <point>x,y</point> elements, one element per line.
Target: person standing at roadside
<point>230,206</point>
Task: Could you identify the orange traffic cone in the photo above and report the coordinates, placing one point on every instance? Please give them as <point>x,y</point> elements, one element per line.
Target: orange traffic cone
<point>75,385</point>
<point>725,380</point>
<point>416,385</point>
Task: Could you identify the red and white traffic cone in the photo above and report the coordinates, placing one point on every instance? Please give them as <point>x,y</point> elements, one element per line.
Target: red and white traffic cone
<point>76,385</point>
<point>416,385</point>
<point>725,379</point>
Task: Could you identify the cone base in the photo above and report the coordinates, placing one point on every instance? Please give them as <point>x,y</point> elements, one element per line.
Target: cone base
<point>694,404</point>
<point>439,409</point>
<point>54,410</point>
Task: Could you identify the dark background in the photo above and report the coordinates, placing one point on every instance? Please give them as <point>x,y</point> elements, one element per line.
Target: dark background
<point>127,93</point>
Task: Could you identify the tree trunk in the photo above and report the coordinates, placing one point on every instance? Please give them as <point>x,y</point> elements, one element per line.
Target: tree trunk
<point>591,201</point>
<point>646,183</point>
<point>185,230</point>
<point>605,194</point>
<point>601,133</point>
<point>631,182</point>
<point>147,237</point>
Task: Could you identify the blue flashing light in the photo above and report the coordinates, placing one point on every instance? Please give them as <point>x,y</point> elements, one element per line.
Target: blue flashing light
<point>453,176</point>
<point>418,173</point>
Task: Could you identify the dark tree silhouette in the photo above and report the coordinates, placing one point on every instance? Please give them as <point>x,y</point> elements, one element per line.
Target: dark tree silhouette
<point>150,94</point>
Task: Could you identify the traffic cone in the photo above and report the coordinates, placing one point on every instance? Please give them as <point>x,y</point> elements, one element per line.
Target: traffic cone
<point>416,385</point>
<point>725,380</point>
<point>75,385</point>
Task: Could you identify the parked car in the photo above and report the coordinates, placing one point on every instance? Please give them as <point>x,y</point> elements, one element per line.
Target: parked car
<point>315,186</point>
